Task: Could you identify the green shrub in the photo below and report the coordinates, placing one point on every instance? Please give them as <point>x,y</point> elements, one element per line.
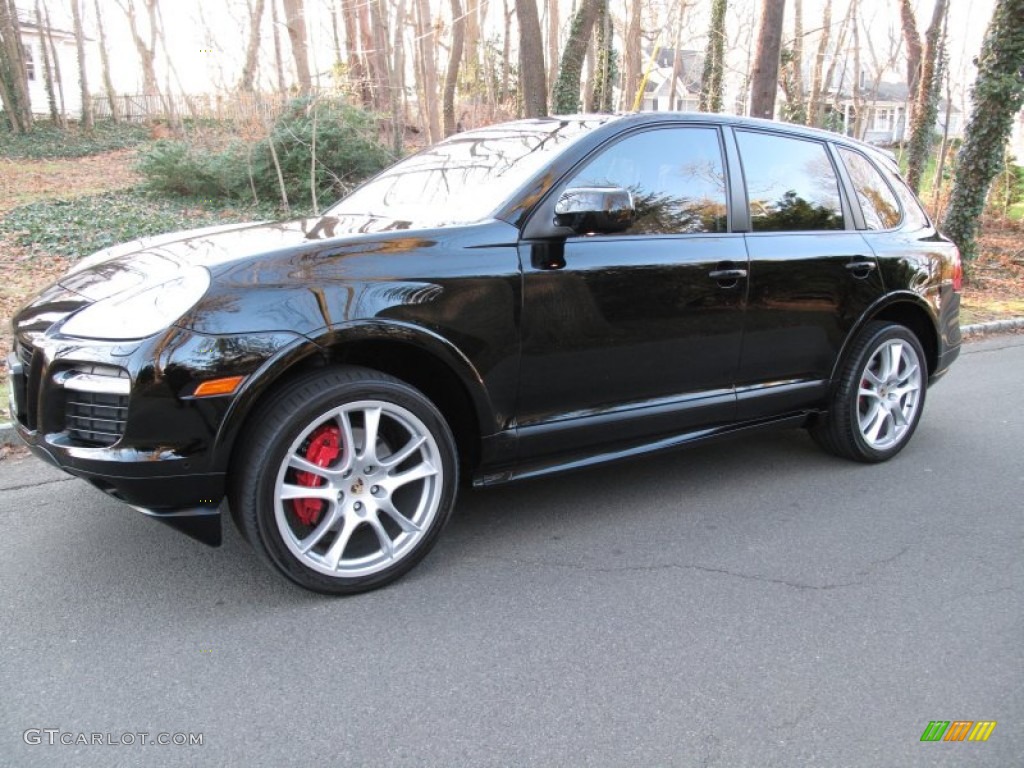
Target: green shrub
<point>347,151</point>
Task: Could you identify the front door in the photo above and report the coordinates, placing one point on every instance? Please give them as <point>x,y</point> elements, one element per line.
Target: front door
<point>636,335</point>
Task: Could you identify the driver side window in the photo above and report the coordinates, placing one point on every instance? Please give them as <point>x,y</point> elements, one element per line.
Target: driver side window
<point>676,177</point>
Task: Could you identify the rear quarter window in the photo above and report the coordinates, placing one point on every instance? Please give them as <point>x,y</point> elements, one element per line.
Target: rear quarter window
<point>877,200</point>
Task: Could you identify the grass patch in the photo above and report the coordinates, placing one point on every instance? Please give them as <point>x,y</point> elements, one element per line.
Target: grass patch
<point>84,225</point>
<point>981,309</point>
<point>47,141</point>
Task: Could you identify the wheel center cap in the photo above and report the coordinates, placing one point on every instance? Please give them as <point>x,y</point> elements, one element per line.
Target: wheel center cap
<point>357,486</point>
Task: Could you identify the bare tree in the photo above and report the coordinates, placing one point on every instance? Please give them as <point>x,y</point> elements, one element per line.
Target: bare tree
<point>146,49</point>
<point>295,22</point>
<point>632,62</point>
<point>551,6</point>
<point>282,84</point>
<point>108,83</point>
<point>83,78</point>
<point>13,73</point>
<point>816,103</point>
<point>51,95</point>
<point>531,60</point>
<point>765,75</point>
<point>451,76</point>
<point>427,36</point>
<point>252,50</point>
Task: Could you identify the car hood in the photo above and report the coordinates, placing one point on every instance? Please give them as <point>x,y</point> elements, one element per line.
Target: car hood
<point>153,260</point>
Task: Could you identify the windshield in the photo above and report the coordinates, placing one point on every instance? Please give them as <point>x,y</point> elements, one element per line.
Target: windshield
<point>466,178</point>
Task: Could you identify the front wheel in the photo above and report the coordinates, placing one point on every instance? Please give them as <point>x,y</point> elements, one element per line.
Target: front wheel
<point>878,401</point>
<point>347,479</point>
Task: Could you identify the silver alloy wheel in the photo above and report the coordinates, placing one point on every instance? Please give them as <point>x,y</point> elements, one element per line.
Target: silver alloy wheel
<point>889,394</point>
<point>379,496</point>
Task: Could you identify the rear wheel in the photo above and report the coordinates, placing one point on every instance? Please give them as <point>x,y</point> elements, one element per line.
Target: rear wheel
<point>879,398</point>
<point>347,479</point>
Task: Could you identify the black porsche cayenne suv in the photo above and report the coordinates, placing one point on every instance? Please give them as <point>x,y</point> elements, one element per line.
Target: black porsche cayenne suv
<point>517,300</point>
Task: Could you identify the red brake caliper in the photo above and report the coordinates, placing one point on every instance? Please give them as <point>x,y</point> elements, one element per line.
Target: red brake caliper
<point>324,447</point>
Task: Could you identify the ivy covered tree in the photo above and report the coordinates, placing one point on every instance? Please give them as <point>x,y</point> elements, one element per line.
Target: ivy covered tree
<point>998,95</point>
<point>714,56</point>
<point>566,96</point>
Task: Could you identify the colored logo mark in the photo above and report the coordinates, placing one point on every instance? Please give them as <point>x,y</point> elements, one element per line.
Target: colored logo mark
<point>958,730</point>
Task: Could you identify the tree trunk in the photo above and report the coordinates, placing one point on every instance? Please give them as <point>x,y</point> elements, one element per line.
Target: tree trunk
<point>252,50</point>
<point>926,107</point>
<point>632,61</point>
<point>147,52</point>
<point>282,84</point>
<point>765,77</point>
<point>506,56</point>
<point>51,95</point>
<point>386,92</point>
<point>531,60</point>
<point>13,74</point>
<point>554,31</point>
<point>426,34</point>
<point>295,21</point>
<point>58,78</point>
<point>398,100</point>
<point>714,59</point>
<point>451,76</point>
<point>913,41</point>
<point>998,95</point>
<point>108,83</point>
<point>604,71</point>
<point>566,99</point>
<point>677,59</point>
<point>83,78</point>
<point>816,105</point>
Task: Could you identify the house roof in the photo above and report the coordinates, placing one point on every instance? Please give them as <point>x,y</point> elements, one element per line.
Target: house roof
<point>27,22</point>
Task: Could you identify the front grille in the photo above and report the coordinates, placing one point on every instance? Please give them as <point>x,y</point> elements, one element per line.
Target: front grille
<point>95,418</point>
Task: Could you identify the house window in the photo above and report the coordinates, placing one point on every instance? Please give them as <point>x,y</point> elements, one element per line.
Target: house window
<point>654,105</point>
<point>884,119</point>
<point>30,63</point>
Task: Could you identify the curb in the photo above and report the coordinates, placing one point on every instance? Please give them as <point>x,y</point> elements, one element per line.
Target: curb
<point>7,436</point>
<point>995,326</point>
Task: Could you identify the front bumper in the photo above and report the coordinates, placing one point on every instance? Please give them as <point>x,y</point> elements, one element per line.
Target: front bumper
<point>123,416</point>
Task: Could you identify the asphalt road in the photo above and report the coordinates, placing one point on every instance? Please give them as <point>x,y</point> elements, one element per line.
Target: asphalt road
<point>752,603</point>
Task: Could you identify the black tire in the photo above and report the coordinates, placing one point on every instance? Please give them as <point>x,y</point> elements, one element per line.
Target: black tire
<point>841,431</point>
<point>280,508</point>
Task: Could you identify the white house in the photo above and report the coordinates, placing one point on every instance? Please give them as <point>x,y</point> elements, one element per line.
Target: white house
<point>658,93</point>
<point>33,39</point>
<point>885,119</point>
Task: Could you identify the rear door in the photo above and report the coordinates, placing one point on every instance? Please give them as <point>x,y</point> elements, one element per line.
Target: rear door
<point>812,274</point>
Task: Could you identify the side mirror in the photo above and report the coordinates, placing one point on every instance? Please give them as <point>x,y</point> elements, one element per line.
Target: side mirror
<point>595,210</point>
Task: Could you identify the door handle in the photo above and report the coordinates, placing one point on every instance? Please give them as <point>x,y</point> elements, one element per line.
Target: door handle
<point>727,274</point>
<point>861,268</point>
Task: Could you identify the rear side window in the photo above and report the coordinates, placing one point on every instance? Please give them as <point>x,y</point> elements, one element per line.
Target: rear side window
<point>877,201</point>
<point>676,176</point>
<point>791,184</point>
<point>914,216</point>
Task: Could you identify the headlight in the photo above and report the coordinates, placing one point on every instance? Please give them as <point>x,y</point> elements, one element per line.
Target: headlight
<point>141,311</point>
